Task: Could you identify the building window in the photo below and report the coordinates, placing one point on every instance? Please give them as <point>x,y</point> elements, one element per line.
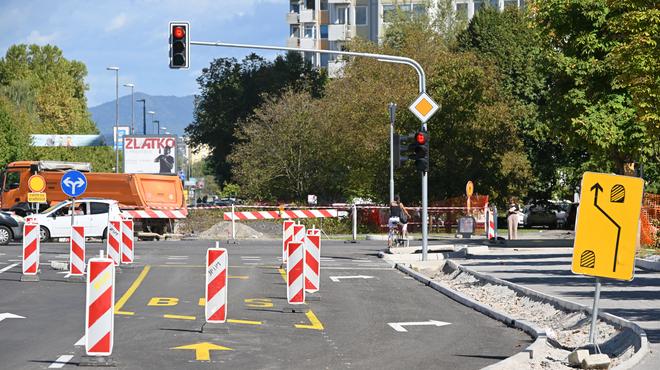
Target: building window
<point>324,31</point>
<point>462,11</point>
<point>342,15</point>
<point>295,8</point>
<point>419,9</point>
<point>478,5</point>
<point>324,5</point>
<point>309,4</point>
<point>361,15</point>
<point>510,3</point>
<point>388,12</point>
<point>295,31</point>
<point>309,31</point>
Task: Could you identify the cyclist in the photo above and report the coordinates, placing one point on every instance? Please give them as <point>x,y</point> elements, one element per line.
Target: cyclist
<point>398,220</point>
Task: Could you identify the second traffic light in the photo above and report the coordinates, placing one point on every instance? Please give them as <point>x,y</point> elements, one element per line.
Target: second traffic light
<point>403,147</point>
<point>179,45</point>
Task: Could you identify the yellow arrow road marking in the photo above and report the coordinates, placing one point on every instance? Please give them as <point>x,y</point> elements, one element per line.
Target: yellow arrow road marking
<point>122,301</point>
<point>179,317</point>
<point>316,324</point>
<point>202,350</point>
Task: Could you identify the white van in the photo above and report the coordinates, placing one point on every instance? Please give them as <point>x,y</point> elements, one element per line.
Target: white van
<point>93,214</point>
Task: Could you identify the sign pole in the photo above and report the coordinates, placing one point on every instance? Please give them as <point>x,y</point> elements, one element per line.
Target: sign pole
<point>594,316</point>
<point>73,201</point>
<point>392,109</point>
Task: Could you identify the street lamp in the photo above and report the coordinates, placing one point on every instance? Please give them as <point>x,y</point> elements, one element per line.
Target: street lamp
<point>157,122</point>
<point>144,115</point>
<point>162,128</point>
<point>116,69</point>
<point>153,115</point>
<point>132,107</point>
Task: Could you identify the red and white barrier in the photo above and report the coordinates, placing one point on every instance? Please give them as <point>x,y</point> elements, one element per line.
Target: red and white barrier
<point>99,312</point>
<point>295,277</point>
<point>77,251</point>
<point>274,215</point>
<point>114,241</point>
<point>31,240</point>
<point>299,233</point>
<point>312,261</point>
<point>287,236</point>
<point>157,213</point>
<point>216,285</point>
<point>491,233</point>
<point>127,241</point>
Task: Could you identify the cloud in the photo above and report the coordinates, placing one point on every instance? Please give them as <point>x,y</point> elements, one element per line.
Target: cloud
<point>117,23</point>
<point>35,37</point>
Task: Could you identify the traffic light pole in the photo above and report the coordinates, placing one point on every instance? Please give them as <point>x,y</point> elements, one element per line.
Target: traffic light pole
<point>392,109</point>
<point>381,58</point>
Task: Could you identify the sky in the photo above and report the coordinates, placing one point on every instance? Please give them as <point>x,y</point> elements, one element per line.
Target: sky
<point>133,35</point>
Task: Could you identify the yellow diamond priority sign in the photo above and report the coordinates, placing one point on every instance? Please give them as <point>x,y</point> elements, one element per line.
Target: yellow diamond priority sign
<point>423,107</point>
<point>607,226</point>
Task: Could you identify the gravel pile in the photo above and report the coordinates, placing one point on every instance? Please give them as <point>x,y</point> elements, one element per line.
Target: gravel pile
<point>569,329</point>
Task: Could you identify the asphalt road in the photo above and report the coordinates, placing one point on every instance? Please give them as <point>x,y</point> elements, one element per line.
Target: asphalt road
<point>159,307</point>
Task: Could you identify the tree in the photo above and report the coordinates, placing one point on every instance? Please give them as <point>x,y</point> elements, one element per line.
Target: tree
<point>14,135</point>
<point>230,91</point>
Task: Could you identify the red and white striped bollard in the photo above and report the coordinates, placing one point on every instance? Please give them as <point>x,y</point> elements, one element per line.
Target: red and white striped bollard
<point>295,276</point>
<point>77,251</point>
<point>216,285</point>
<point>99,308</point>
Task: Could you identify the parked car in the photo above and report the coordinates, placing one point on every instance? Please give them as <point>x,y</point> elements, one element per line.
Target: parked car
<point>11,227</point>
<point>92,213</point>
<point>551,214</point>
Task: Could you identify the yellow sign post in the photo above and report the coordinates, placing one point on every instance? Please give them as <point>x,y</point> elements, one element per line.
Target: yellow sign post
<point>607,231</point>
<point>469,189</point>
<point>607,226</point>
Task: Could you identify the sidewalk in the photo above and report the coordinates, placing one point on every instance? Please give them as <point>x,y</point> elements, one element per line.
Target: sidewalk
<point>549,271</point>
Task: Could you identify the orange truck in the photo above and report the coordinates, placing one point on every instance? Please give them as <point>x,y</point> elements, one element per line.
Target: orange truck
<point>154,202</point>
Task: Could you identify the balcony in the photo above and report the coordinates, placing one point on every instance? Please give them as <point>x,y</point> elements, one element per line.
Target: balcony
<point>293,42</point>
<point>322,44</point>
<point>338,32</point>
<point>307,43</point>
<point>292,18</point>
<point>324,17</point>
<point>307,16</point>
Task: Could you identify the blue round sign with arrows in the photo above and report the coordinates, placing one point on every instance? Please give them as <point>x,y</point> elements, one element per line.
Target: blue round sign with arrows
<point>73,183</point>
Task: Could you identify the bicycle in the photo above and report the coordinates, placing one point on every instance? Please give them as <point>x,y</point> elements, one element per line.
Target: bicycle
<point>395,234</point>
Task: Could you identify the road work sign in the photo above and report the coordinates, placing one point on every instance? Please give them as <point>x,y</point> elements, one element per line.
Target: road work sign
<point>37,183</point>
<point>607,226</point>
<point>36,197</point>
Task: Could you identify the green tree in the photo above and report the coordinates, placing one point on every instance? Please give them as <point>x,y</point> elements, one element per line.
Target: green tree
<point>231,90</point>
<point>14,135</point>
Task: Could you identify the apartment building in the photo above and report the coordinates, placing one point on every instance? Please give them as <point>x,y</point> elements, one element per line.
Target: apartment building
<point>328,24</point>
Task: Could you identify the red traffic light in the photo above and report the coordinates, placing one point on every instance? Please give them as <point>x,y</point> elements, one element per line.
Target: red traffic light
<point>420,138</point>
<point>179,32</point>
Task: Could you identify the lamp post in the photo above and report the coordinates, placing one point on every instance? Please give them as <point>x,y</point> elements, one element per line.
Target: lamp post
<point>153,115</point>
<point>144,115</point>
<point>116,69</point>
<point>157,122</point>
<point>164,129</point>
<point>132,107</point>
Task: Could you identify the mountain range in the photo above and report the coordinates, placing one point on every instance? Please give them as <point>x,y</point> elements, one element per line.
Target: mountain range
<point>173,112</point>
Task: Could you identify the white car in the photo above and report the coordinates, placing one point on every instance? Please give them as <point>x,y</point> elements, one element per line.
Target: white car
<point>93,214</point>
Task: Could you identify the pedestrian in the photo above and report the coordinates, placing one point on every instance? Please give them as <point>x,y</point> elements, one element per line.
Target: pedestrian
<point>398,220</point>
<point>512,218</point>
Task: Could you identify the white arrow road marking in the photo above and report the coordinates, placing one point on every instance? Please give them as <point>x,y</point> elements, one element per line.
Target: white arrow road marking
<point>8,315</point>
<point>60,362</point>
<point>399,326</point>
<point>80,342</point>
<point>8,267</point>
<point>336,278</point>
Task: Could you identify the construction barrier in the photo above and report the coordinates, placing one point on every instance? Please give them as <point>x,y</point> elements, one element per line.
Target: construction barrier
<point>216,285</point>
<point>114,241</point>
<point>295,277</point>
<point>127,241</point>
<point>275,215</point>
<point>491,231</point>
<point>299,233</point>
<point>287,236</point>
<point>99,312</point>
<point>312,261</point>
<point>31,240</point>
<point>77,251</point>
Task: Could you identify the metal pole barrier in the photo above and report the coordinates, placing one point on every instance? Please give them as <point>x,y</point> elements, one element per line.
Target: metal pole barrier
<point>233,222</point>
<point>425,216</point>
<point>392,109</point>
<point>354,223</point>
<point>495,220</point>
<point>594,317</point>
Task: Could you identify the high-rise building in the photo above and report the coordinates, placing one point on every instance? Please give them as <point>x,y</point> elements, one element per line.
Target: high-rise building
<point>328,24</point>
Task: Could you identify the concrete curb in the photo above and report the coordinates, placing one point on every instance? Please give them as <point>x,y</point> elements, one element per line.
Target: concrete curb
<point>639,340</point>
<point>647,265</point>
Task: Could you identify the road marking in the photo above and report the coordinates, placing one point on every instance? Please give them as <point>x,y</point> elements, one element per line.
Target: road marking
<point>14,260</point>
<point>60,362</point>
<point>202,350</point>
<point>246,322</point>
<point>8,315</point>
<point>316,323</point>
<point>179,317</point>
<point>399,326</point>
<point>8,267</point>
<point>175,263</point>
<point>202,302</point>
<point>250,257</point>
<point>258,302</point>
<point>240,277</point>
<point>163,301</point>
<point>177,257</point>
<point>337,278</point>
<point>136,284</point>
<point>80,342</point>
<point>283,273</point>
<point>252,263</point>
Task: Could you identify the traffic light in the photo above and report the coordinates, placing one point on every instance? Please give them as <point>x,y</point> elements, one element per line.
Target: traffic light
<point>422,151</point>
<point>402,146</point>
<point>179,45</point>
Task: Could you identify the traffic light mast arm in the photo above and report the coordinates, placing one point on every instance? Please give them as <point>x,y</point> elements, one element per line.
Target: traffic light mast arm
<point>380,57</point>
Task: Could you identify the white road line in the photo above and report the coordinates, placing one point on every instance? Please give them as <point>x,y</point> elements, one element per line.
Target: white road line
<point>252,263</point>
<point>177,257</point>
<point>80,342</point>
<point>250,258</point>
<point>175,263</point>
<point>15,260</point>
<point>8,268</point>
<point>60,362</point>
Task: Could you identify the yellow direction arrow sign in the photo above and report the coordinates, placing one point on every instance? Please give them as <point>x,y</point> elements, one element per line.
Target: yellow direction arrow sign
<point>202,350</point>
<point>607,226</point>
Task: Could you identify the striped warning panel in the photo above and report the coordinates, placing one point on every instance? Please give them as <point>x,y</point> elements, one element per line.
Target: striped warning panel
<point>618,194</point>
<point>272,215</point>
<point>588,259</point>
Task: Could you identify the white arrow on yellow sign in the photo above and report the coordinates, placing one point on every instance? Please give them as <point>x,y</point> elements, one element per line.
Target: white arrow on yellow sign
<point>203,350</point>
<point>423,107</point>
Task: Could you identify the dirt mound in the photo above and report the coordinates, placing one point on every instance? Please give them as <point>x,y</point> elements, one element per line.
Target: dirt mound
<point>222,230</point>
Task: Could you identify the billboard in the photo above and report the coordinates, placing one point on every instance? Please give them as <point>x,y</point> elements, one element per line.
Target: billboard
<point>150,154</point>
<point>118,133</point>
<point>67,140</point>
